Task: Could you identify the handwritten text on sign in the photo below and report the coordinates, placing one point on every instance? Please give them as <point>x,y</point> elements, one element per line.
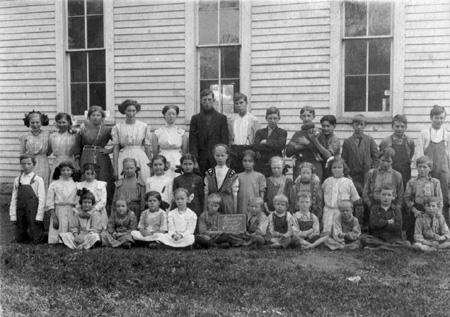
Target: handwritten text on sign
<point>232,223</point>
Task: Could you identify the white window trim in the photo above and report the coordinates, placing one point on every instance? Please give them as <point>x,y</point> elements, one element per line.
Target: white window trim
<point>62,65</point>
<point>192,96</point>
<point>337,63</point>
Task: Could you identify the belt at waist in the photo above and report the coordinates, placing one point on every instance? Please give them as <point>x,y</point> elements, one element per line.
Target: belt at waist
<point>92,147</point>
<point>129,147</point>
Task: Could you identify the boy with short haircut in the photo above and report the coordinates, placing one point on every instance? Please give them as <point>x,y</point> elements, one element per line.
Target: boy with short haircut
<point>360,152</point>
<point>346,230</point>
<point>380,176</point>
<point>301,147</point>
<point>209,235</point>
<point>434,142</point>
<point>431,232</point>
<point>269,142</point>
<point>416,190</point>
<point>27,202</point>
<point>403,146</point>
<point>307,234</point>
<point>282,226</point>
<point>385,224</point>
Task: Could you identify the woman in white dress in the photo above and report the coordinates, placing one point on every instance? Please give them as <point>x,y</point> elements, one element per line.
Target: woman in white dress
<point>170,140</point>
<point>131,138</point>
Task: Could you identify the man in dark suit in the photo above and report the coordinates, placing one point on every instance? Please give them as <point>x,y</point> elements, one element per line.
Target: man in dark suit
<point>269,142</point>
<point>207,129</point>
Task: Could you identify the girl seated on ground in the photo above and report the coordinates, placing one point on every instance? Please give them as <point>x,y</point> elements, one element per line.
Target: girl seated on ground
<point>181,222</point>
<point>85,224</point>
<point>120,225</point>
<point>153,221</point>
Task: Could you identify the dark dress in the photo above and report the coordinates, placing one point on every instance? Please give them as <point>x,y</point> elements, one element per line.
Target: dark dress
<point>93,138</point>
<point>195,185</point>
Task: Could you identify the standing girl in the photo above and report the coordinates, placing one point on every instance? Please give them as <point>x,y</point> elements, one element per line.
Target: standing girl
<point>222,180</point>
<point>35,143</point>
<point>181,222</point>
<point>251,184</point>
<point>64,144</point>
<point>153,221</point>
<point>170,140</point>
<point>308,182</point>
<point>61,198</point>
<point>192,182</point>
<point>130,188</point>
<point>120,226</point>
<point>131,138</point>
<point>97,188</point>
<point>161,181</point>
<point>94,136</point>
<point>336,189</point>
<point>277,184</point>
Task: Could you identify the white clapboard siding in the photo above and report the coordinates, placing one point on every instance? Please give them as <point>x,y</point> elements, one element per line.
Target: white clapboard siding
<point>27,72</point>
<point>427,59</point>
<point>290,65</point>
<point>149,41</point>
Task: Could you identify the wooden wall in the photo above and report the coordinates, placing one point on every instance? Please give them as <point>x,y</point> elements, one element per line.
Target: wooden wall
<point>27,72</point>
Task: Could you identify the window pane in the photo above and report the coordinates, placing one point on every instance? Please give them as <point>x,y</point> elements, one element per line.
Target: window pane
<point>209,63</point>
<point>355,94</point>
<point>380,18</point>
<point>380,56</point>
<point>207,22</point>
<point>379,93</point>
<point>78,67</point>
<point>229,24</point>
<point>76,33</point>
<point>97,66</point>
<point>94,6</point>
<point>355,57</point>
<point>212,85</point>
<point>355,18</point>
<point>75,7</point>
<point>95,31</point>
<point>229,88</point>
<point>230,62</point>
<point>78,93</point>
<point>97,96</point>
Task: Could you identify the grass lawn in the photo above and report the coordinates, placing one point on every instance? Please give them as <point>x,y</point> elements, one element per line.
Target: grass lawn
<point>56,281</point>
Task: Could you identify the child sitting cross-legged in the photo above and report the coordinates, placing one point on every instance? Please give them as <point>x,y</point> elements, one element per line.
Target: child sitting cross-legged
<point>120,225</point>
<point>346,230</point>
<point>431,232</point>
<point>385,224</point>
<point>282,224</point>
<point>85,224</point>
<point>308,233</point>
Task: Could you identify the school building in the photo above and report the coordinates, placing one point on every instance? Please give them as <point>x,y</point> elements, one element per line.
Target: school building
<point>341,57</point>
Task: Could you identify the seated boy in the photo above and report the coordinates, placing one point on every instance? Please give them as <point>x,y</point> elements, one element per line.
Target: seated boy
<point>257,223</point>
<point>282,224</point>
<point>307,234</point>
<point>27,203</point>
<point>431,232</point>
<point>346,230</point>
<point>209,235</point>
<point>385,224</point>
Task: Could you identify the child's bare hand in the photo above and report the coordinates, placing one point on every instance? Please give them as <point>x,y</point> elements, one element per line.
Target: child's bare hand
<point>55,224</point>
<point>417,213</point>
<point>302,141</point>
<point>441,238</point>
<point>391,221</point>
<point>342,235</point>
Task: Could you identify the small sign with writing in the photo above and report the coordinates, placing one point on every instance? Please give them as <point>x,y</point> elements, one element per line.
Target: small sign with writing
<point>233,223</point>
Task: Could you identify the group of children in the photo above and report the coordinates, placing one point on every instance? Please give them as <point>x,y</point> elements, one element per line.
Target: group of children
<point>360,205</point>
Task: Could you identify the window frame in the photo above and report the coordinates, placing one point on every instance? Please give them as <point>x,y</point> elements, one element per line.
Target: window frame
<point>63,59</point>
<point>192,62</point>
<point>337,63</point>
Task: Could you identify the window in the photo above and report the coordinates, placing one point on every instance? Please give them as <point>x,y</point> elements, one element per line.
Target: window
<point>367,44</point>
<point>86,55</point>
<point>219,50</point>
